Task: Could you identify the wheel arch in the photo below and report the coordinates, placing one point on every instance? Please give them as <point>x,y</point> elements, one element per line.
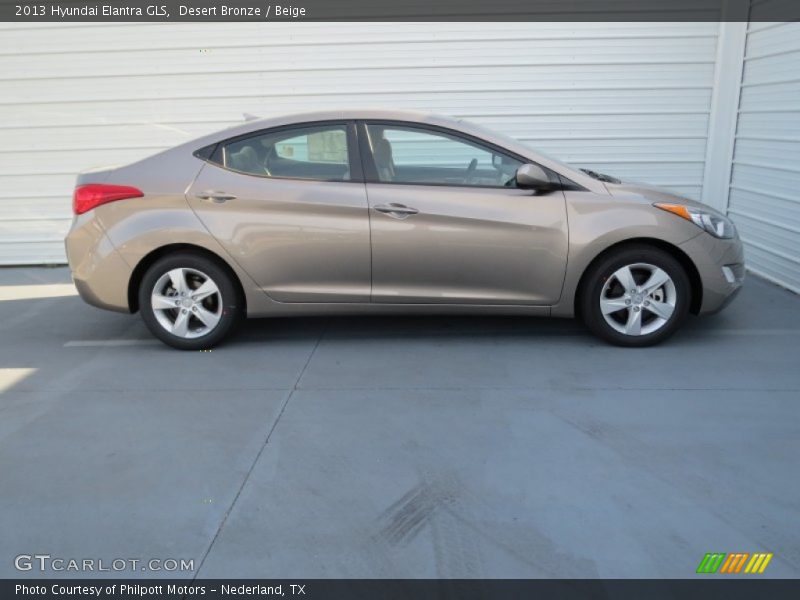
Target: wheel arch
<point>149,259</point>
<point>692,273</point>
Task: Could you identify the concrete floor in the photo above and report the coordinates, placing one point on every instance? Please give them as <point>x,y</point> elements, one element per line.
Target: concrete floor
<point>398,447</point>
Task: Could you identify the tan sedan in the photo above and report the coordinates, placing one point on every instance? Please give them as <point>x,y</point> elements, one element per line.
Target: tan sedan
<point>389,211</point>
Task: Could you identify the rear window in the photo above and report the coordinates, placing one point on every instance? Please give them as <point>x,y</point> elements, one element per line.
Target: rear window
<point>318,152</point>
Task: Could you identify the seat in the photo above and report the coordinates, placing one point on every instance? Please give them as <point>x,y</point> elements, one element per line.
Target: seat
<point>246,160</point>
<point>384,159</point>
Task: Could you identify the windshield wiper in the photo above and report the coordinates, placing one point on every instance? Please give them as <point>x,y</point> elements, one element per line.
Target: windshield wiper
<point>601,176</point>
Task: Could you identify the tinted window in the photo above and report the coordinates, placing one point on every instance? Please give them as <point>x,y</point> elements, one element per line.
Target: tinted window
<point>411,155</point>
<point>316,152</point>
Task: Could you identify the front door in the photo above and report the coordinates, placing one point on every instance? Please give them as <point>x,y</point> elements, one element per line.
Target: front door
<point>449,225</point>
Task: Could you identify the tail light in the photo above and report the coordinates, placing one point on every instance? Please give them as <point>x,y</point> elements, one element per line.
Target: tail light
<point>92,195</point>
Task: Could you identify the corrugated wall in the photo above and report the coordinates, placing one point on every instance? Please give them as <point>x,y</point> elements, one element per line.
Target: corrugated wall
<point>765,183</point>
<point>630,99</point>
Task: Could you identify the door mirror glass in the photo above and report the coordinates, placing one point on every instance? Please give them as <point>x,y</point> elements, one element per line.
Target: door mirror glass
<point>533,177</point>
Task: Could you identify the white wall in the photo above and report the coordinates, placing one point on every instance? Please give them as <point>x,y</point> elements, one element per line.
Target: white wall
<point>630,99</point>
<point>764,196</point>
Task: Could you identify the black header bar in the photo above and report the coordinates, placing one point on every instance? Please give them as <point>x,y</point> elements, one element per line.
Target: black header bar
<point>399,10</point>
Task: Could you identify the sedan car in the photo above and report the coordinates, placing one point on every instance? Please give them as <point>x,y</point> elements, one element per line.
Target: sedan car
<point>385,212</point>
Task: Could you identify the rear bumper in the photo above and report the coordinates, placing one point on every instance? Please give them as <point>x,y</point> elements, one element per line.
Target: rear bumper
<point>710,255</point>
<point>100,274</point>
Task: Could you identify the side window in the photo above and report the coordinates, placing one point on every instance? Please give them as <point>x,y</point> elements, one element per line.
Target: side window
<point>317,152</point>
<point>410,155</point>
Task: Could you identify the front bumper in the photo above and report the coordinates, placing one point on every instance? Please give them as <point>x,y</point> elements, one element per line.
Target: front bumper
<point>710,255</point>
<point>100,274</point>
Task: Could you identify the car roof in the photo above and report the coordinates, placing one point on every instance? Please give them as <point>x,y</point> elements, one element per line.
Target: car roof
<point>367,113</point>
<point>337,115</point>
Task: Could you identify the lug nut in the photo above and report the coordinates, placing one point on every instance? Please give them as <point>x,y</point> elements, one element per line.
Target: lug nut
<point>636,309</point>
<point>184,311</point>
<point>627,303</point>
<point>647,303</point>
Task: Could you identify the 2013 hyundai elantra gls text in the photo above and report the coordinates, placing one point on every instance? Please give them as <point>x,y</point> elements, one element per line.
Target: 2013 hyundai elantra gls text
<point>389,211</point>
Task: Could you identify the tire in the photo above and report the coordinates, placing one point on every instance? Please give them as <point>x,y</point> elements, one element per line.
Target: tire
<point>660,309</point>
<point>203,316</point>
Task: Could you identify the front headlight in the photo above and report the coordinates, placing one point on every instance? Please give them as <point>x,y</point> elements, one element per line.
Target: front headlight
<point>714,223</point>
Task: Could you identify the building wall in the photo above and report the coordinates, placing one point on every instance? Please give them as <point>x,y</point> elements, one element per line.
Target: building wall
<point>630,99</point>
<point>764,198</point>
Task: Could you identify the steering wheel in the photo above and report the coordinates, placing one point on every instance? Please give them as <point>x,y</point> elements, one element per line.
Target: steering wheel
<point>473,165</point>
<point>271,154</point>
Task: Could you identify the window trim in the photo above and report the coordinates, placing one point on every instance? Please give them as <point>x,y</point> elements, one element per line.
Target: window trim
<point>353,154</point>
<point>371,171</point>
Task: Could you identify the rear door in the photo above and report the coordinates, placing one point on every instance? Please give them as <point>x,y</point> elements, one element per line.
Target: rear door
<point>289,205</point>
<point>449,224</point>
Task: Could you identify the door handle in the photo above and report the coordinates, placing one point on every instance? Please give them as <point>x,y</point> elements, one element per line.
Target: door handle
<point>213,196</point>
<point>396,209</point>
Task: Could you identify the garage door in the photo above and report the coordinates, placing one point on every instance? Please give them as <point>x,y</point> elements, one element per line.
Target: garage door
<point>765,184</point>
<point>630,99</point>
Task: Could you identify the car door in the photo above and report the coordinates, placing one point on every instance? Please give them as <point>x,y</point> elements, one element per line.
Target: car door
<point>449,226</point>
<point>290,207</point>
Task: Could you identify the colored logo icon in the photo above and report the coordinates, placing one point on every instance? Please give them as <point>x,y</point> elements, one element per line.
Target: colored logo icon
<point>720,562</point>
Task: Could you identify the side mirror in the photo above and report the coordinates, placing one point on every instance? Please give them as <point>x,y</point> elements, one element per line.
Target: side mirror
<point>533,177</point>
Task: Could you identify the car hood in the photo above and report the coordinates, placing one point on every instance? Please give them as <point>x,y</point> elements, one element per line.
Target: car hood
<point>644,193</point>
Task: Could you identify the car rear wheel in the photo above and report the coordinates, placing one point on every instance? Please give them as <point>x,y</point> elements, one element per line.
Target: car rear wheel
<point>188,301</point>
<point>636,296</point>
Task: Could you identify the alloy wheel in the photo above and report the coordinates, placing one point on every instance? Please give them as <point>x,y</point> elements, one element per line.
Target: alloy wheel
<point>638,299</point>
<point>187,303</point>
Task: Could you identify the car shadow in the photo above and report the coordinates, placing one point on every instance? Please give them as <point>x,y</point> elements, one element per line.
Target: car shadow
<point>64,320</point>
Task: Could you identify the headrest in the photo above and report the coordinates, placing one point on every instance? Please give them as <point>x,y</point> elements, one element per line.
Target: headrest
<point>382,151</point>
<point>246,159</point>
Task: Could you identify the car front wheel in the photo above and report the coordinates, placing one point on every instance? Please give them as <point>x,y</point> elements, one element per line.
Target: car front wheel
<point>636,296</point>
<point>188,301</point>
